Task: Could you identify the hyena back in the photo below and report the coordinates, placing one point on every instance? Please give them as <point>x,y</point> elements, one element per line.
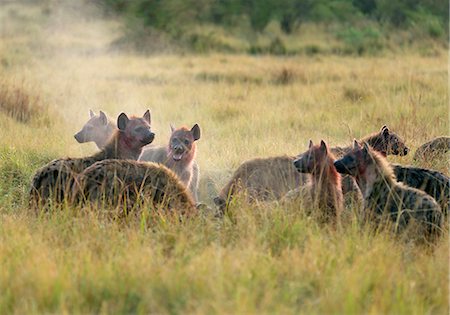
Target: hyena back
<point>434,183</point>
<point>325,181</point>
<point>387,199</point>
<point>179,156</point>
<point>120,183</point>
<point>98,129</point>
<point>434,148</point>
<point>262,179</point>
<point>56,179</point>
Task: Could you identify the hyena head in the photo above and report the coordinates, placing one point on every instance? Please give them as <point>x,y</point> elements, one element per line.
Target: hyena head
<point>314,160</point>
<point>135,131</point>
<point>356,161</point>
<point>182,143</point>
<point>97,129</point>
<point>387,142</point>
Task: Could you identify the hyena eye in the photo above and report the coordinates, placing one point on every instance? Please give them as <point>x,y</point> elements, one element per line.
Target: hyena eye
<point>186,142</point>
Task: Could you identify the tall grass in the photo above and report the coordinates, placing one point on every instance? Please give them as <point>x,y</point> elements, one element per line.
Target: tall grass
<point>259,258</point>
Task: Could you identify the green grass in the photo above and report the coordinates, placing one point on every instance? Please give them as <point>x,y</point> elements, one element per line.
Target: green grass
<point>259,259</point>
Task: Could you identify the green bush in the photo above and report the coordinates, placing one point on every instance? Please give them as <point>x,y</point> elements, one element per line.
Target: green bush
<point>360,41</point>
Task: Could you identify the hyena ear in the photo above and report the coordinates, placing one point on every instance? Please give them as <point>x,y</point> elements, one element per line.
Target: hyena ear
<point>103,118</point>
<point>91,113</point>
<point>196,132</point>
<point>172,128</point>
<point>323,146</point>
<point>310,145</point>
<point>384,131</point>
<point>122,121</point>
<point>356,144</point>
<point>147,116</point>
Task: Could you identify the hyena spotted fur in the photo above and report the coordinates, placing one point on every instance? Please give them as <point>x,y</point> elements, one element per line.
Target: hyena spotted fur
<point>325,181</point>
<point>272,178</point>
<point>179,156</point>
<point>126,183</point>
<point>387,199</point>
<point>98,129</point>
<point>434,148</point>
<point>434,183</point>
<point>57,177</point>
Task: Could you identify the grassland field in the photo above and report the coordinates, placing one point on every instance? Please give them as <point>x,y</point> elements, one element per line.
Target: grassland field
<point>55,66</point>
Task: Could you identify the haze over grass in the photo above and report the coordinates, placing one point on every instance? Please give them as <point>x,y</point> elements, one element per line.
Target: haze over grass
<point>260,259</point>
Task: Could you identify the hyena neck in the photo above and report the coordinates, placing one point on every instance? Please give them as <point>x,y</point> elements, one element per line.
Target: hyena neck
<point>376,142</point>
<point>328,180</point>
<point>374,178</point>
<point>119,147</point>
<point>104,137</point>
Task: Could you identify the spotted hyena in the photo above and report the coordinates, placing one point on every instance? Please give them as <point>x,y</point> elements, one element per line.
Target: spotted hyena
<point>129,184</point>
<point>325,181</point>
<point>98,129</point>
<point>57,177</point>
<point>179,156</point>
<point>387,199</point>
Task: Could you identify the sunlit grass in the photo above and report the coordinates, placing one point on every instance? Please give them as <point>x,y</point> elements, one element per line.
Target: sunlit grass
<point>258,259</point>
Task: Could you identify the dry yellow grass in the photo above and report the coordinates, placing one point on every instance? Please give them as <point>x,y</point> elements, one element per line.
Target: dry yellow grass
<point>260,261</point>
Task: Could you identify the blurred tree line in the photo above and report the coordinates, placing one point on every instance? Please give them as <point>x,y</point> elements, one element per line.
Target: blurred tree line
<point>175,16</point>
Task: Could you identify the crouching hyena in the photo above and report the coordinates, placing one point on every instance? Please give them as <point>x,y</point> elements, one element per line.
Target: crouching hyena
<point>98,129</point>
<point>179,156</point>
<point>273,178</point>
<point>57,177</point>
<point>434,148</point>
<point>434,183</point>
<point>325,182</point>
<point>129,184</point>
<point>387,199</point>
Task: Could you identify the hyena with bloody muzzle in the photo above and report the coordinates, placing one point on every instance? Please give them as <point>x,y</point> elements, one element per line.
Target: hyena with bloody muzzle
<point>98,129</point>
<point>385,199</point>
<point>179,156</point>
<point>325,182</point>
<point>55,180</point>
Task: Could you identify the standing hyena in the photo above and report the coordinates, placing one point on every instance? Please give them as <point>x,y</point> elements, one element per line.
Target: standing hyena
<point>179,156</point>
<point>132,184</point>
<point>272,178</point>
<point>387,199</point>
<point>57,177</point>
<point>98,129</point>
<point>325,184</point>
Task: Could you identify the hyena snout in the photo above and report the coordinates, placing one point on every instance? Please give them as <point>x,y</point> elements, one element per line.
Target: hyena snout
<point>298,164</point>
<point>80,137</point>
<point>342,168</point>
<point>148,137</point>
